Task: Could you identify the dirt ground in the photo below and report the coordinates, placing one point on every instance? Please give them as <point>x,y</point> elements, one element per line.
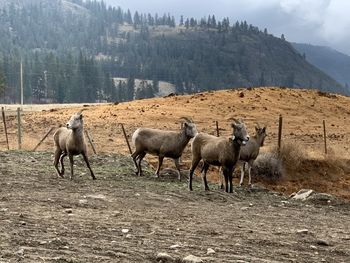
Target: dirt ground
<point>303,112</point>
<point>124,218</point>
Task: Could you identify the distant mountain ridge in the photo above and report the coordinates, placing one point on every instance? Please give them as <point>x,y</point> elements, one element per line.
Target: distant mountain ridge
<point>333,62</point>
<point>73,49</point>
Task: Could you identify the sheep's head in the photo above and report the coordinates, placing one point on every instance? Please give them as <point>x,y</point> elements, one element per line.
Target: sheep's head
<point>189,127</point>
<point>260,133</point>
<point>240,132</point>
<point>76,121</point>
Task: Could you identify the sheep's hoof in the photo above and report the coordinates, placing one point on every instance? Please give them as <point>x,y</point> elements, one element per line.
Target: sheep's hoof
<point>207,189</point>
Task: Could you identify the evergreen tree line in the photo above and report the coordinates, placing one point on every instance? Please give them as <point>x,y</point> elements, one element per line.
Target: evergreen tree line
<point>73,56</point>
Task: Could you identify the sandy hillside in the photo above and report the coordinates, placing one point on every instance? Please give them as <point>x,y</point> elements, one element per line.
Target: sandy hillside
<point>303,112</point>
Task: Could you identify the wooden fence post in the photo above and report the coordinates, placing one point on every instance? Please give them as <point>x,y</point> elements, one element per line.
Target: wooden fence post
<point>19,128</point>
<point>217,129</point>
<point>5,127</point>
<point>280,132</point>
<point>41,141</point>
<point>126,138</point>
<point>90,141</point>
<point>325,136</point>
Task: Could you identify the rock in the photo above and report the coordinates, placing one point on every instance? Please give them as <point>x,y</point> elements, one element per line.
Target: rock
<point>98,196</point>
<point>303,194</point>
<point>322,198</point>
<point>83,201</point>
<point>125,230</point>
<point>175,246</point>
<point>322,242</point>
<point>164,257</point>
<point>303,231</point>
<point>23,223</point>
<point>192,259</point>
<point>68,211</point>
<point>244,208</point>
<point>210,251</point>
<point>20,252</point>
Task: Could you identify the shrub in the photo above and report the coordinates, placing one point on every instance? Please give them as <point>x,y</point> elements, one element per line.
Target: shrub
<point>268,166</point>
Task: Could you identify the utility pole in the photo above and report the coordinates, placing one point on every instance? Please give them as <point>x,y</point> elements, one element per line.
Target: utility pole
<point>21,72</point>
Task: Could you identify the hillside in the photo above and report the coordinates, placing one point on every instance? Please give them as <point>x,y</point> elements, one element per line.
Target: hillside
<point>71,50</point>
<point>303,112</point>
<point>334,63</point>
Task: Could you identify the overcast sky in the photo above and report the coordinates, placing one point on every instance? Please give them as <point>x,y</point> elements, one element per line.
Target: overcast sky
<point>319,22</point>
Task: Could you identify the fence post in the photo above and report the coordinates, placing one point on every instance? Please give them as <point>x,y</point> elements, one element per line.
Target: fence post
<point>280,122</point>
<point>19,128</point>
<point>217,129</point>
<point>90,141</point>
<point>325,136</point>
<point>126,138</point>
<point>41,141</point>
<point>5,127</point>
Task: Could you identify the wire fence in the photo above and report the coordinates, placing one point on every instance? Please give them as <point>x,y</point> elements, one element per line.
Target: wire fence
<point>18,132</point>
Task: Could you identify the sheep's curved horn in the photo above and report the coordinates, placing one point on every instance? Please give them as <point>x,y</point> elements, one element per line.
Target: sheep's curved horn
<point>187,119</point>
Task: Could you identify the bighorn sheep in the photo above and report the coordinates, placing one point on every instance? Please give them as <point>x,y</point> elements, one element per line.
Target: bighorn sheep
<point>162,144</point>
<point>70,141</point>
<point>218,151</point>
<point>250,152</point>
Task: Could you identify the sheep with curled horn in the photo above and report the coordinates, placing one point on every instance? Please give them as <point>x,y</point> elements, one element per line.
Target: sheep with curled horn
<point>162,143</point>
<point>218,151</point>
<point>70,141</point>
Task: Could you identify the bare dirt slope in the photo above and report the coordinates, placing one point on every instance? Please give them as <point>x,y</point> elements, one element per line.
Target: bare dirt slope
<point>303,112</point>
<point>123,218</point>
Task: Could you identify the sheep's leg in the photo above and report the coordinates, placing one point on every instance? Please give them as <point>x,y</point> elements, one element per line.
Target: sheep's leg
<point>134,157</point>
<point>71,161</point>
<point>230,180</point>
<point>56,160</point>
<point>204,176</point>
<point>64,154</point>
<point>250,164</point>
<point>225,172</point>
<point>242,174</point>
<point>86,159</point>
<point>160,162</point>
<point>177,164</point>
<point>140,157</point>
<point>221,178</point>
<point>195,163</point>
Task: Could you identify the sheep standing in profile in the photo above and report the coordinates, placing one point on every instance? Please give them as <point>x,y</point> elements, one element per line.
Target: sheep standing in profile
<point>162,144</point>
<point>218,151</point>
<point>70,141</point>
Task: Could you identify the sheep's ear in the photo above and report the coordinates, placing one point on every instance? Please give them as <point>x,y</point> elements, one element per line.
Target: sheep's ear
<point>234,125</point>
<point>185,124</point>
<point>264,129</point>
<point>81,116</point>
<point>257,128</point>
<point>236,121</point>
